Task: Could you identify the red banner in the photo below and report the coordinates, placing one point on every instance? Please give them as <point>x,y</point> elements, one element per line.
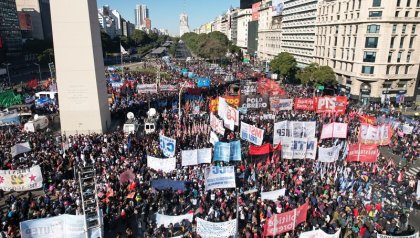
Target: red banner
<point>304,104</point>
<point>284,222</point>
<point>367,119</point>
<point>336,104</point>
<point>260,150</point>
<point>269,87</point>
<point>363,153</point>
<point>231,100</point>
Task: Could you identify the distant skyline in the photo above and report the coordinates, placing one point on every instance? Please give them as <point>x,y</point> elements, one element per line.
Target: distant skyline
<point>165,13</point>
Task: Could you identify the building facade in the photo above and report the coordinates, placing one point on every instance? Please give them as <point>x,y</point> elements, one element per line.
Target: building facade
<point>34,19</point>
<point>373,47</point>
<point>10,34</point>
<point>183,24</point>
<point>269,34</point>
<point>243,18</point>
<point>141,12</point>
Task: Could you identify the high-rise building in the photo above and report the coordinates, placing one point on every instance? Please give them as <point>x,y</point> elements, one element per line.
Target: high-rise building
<point>269,33</point>
<point>183,24</point>
<point>34,19</point>
<point>244,4</point>
<point>141,12</point>
<point>10,35</point>
<point>148,23</point>
<point>243,18</point>
<point>373,47</point>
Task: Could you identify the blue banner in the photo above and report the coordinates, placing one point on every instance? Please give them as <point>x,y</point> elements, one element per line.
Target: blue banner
<point>203,82</point>
<point>161,184</point>
<point>227,151</point>
<point>191,75</point>
<point>235,151</point>
<point>167,145</point>
<point>189,97</point>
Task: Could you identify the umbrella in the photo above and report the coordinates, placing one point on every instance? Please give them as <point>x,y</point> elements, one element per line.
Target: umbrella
<point>127,176</point>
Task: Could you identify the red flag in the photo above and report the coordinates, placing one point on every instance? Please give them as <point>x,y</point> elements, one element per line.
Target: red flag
<point>260,150</point>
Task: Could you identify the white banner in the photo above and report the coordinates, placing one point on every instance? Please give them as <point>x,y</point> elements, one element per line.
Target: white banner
<point>232,115</point>
<point>220,177</point>
<point>222,109</point>
<point>298,148</point>
<point>295,129</point>
<point>334,130</point>
<point>165,220</point>
<point>375,134</point>
<point>194,157</point>
<point>251,133</point>
<point>20,148</point>
<point>213,138</point>
<point>418,189</point>
<point>328,155</point>
<point>147,88</point>
<point>215,229</point>
<point>407,129</point>
<point>167,145</point>
<point>166,165</point>
<point>216,124</point>
<point>273,195</point>
<point>285,104</point>
<point>319,234</point>
<point>385,236</point>
<point>21,180</point>
<point>53,227</point>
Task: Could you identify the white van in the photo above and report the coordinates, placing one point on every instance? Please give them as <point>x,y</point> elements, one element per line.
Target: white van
<point>38,123</point>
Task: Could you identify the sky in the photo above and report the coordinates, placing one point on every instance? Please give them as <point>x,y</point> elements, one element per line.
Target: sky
<point>165,13</point>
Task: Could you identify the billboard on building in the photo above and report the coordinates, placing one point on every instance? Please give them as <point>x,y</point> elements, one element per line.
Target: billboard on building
<point>277,7</point>
<point>255,11</point>
<point>25,22</point>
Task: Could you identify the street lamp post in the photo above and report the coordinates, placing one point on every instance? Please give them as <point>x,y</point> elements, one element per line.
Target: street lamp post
<point>8,73</point>
<point>39,70</point>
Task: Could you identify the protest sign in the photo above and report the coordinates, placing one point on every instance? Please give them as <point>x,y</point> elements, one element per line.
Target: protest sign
<point>167,145</point>
<point>254,102</point>
<point>273,195</point>
<point>319,234</point>
<point>306,104</point>
<point>20,148</point>
<point>213,138</point>
<point>416,235</point>
<point>336,104</point>
<point>219,177</point>
<point>161,184</point>
<point>215,229</point>
<point>334,130</point>
<point>248,88</point>
<point>21,179</point>
<point>147,88</point>
<point>284,222</point>
<point>166,165</point>
<point>166,220</point>
<point>407,129</point>
<point>194,157</point>
<point>298,148</point>
<point>294,129</point>
<point>216,124</point>
<point>380,135</point>
<point>363,153</point>
<point>278,104</point>
<point>328,155</point>
<point>251,133</point>
<point>168,88</point>
<point>203,82</point>
<point>227,151</point>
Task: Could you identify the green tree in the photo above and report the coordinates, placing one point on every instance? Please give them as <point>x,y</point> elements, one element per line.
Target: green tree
<point>284,64</point>
<point>46,56</point>
<point>307,75</point>
<point>325,75</point>
<point>140,37</point>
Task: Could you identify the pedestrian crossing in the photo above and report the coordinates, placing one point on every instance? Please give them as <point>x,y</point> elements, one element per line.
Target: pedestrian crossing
<point>413,171</point>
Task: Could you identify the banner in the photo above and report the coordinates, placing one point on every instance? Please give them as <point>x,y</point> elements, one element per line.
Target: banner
<point>248,88</point>
<point>166,165</point>
<point>69,225</point>
<point>411,236</point>
<point>227,151</point>
<point>213,138</point>
<point>328,155</point>
<point>219,177</point>
<point>147,88</point>
<point>222,109</point>
<point>232,115</point>
<point>231,100</point>
<point>259,150</point>
<point>306,104</point>
<point>284,222</point>
<point>254,102</point>
<point>21,180</point>
<point>168,88</point>
<point>214,104</point>
<point>273,195</point>
<point>319,234</point>
<point>216,124</point>
<point>194,157</point>
<point>380,135</point>
<point>251,133</point>
<point>20,149</point>
<point>167,145</point>
<point>334,130</point>
<point>216,229</point>
<point>363,153</point>
<point>162,184</point>
<point>295,129</point>
<point>367,119</point>
<point>299,148</point>
<point>336,104</point>
<point>407,129</point>
<point>278,104</point>
<point>166,220</point>
<point>203,82</point>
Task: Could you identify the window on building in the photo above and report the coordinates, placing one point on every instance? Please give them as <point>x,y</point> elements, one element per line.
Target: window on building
<point>389,57</point>
<point>368,69</point>
<point>397,13</point>
<point>375,13</point>
<point>411,42</point>
<point>407,13</point>
<point>369,56</point>
<point>335,41</point>
<point>336,29</point>
<point>413,29</point>
<point>371,42</point>
<point>392,42</point>
<point>376,3</point>
<point>354,43</point>
<point>402,84</point>
<point>404,28</point>
<point>416,14</point>
<point>399,57</point>
<point>418,3</point>
<point>398,3</point>
<point>408,3</point>
<point>394,28</point>
<point>359,5</point>
<point>334,53</point>
<point>348,54</point>
<point>352,57</point>
<point>408,56</point>
<point>388,67</point>
<point>406,69</point>
<point>397,69</point>
<point>402,42</point>
<point>373,28</point>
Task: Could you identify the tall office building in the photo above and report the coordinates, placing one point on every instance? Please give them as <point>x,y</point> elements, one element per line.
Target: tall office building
<point>183,24</point>
<point>10,35</point>
<point>373,46</point>
<point>244,4</point>
<point>34,19</point>
<point>141,12</point>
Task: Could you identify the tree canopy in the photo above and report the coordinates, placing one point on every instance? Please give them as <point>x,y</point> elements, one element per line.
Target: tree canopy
<point>213,45</point>
<point>316,74</point>
<point>284,64</point>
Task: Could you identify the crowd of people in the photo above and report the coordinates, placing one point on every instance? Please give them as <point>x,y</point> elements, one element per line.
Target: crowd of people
<point>361,199</point>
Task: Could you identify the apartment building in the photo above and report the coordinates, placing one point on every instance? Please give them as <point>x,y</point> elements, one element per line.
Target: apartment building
<point>372,45</point>
<point>269,34</point>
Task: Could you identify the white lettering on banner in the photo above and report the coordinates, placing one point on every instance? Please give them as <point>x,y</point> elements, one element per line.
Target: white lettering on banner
<point>222,110</point>
<point>319,234</point>
<point>194,157</point>
<point>167,145</point>
<point>166,220</point>
<point>407,129</point>
<point>416,235</point>
<point>147,88</point>
<point>220,177</point>
<point>213,138</point>
<point>215,229</point>
<point>21,180</point>
<point>374,134</point>
<point>251,133</point>
<point>53,227</point>
<point>273,195</point>
<point>166,165</point>
<point>299,148</point>
<point>216,124</point>
<point>295,129</point>
<point>232,115</point>
<point>334,130</point>
<point>328,155</point>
